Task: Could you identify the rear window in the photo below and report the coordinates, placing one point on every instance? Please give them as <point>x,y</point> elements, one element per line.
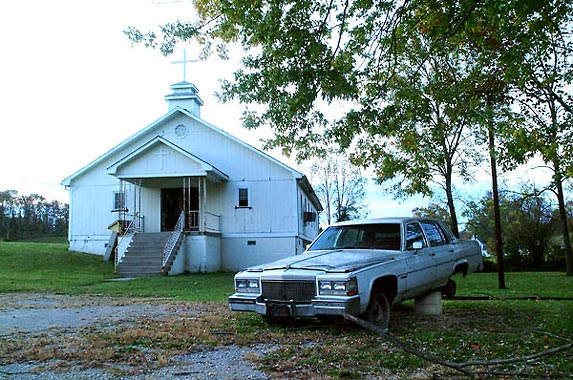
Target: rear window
<point>365,236</point>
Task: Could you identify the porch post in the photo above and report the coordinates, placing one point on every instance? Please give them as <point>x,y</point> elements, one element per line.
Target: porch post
<point>121,205</point>
<point>202,203</point>
<point>137,207</point>
<point>187,202</point>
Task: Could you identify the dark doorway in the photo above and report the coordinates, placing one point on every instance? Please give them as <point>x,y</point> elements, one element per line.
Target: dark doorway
<point>171,207</point>
<point>172,201</point>
<point>192,221</point>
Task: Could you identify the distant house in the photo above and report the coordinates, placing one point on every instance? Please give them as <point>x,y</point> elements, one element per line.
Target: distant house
<point>207,200</point>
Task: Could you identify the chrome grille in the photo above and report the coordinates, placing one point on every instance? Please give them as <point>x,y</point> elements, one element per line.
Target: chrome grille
<point>298,291</point>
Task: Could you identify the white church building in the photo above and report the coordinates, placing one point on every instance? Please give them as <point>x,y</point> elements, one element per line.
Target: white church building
<point>182,195</point>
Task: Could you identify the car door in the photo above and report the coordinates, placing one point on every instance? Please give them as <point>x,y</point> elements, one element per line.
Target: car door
<point>442,249</point>
<point>420,262</point>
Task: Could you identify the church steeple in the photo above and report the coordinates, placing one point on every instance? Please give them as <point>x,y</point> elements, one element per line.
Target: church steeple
<point>185,95</point>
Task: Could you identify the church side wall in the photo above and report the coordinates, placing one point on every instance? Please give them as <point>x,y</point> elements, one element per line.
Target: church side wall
<point>308,229</point>
<point>273,207</point>
<point>241,252</point>
<point>90,213</point>
<point>273,218</point>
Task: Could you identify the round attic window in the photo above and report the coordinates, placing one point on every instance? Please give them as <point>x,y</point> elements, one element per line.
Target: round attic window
<point>181,130</point>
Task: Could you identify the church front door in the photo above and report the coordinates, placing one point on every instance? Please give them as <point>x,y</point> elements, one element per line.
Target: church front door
<point>173,202</point>
<point>171,207</point>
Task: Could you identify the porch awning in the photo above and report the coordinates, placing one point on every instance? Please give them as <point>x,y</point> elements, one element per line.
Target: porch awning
<point>160,158</point>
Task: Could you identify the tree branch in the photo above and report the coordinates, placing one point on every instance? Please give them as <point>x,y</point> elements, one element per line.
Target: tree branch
<point>461,367</point>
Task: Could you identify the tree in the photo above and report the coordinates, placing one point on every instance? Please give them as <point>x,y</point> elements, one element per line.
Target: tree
<point>30,216</point>
<point>303,56</point>
<point>545,106</point>
<point>529,225</point>
<point>340,188</point>
<point>433,210</point>
<point>422,137</point>
<point>7,213</point>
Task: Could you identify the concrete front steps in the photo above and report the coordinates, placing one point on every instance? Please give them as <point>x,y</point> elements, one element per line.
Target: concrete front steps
<point>144,256</point>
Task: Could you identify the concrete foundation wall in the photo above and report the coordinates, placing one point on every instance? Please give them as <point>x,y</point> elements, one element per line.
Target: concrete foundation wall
<point>202,253</point>
<point>243,252</point>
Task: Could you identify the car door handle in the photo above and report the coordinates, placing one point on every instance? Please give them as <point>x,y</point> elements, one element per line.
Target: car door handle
<point>432,254</point>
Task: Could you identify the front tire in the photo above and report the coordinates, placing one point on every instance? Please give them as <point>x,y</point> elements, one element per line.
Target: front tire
<point>378,311</point>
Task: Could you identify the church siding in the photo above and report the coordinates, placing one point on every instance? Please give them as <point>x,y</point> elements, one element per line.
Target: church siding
<point>242,252</point>
<point>270,227</point>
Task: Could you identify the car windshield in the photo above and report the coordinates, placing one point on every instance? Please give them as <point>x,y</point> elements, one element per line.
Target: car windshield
<point>364,236</point>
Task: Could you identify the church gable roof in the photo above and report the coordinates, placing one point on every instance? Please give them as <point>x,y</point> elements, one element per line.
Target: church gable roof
<point>160,157</point>
<point>157,125</point>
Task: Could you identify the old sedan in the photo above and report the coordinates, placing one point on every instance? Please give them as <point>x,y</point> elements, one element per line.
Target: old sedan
<point>359,268</point>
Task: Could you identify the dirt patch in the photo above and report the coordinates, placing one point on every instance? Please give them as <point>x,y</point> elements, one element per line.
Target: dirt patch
<point>49,336</point>
<point>33,313</point>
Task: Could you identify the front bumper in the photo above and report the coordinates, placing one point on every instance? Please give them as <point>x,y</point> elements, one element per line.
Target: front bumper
<point>323,306</point>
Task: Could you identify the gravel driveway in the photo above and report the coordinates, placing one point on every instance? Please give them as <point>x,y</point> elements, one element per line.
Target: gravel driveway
<point>29,317</point>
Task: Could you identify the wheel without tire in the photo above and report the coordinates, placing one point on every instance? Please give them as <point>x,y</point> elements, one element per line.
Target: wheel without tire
<point>378,312</point>
<point>449,290</point>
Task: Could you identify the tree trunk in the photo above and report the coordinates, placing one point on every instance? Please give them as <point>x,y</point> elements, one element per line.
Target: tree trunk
<point>496,212</point>
<point>563,220</point>
<point>451,206</point>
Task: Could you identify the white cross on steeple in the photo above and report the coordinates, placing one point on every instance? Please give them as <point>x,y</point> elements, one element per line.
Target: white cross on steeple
<point>184,62</point>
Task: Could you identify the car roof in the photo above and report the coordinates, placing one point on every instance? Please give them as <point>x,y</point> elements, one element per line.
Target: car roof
<point>386,220</point>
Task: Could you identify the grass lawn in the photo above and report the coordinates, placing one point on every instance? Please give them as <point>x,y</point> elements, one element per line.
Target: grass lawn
<point>499,328</point>
<point>50,267</point>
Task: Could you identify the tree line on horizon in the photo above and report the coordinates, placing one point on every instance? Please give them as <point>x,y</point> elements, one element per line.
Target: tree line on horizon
<point>31,217</point>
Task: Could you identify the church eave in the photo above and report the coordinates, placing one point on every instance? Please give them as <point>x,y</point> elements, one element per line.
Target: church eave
<point>67,181</point>
<point>295,173</point>
<point>207,168</point>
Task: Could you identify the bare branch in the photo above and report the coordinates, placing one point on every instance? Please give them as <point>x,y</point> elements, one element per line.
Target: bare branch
<point>461,367</point>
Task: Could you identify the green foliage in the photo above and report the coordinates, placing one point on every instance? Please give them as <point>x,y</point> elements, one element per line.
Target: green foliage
<point>410,88</point>
<point>433,210</point>
<point>528,221</point>
<point>31,217</point>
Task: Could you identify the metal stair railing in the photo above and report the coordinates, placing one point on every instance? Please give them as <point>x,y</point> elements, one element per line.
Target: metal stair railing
<point>127,235</point>
<point>173,239</point>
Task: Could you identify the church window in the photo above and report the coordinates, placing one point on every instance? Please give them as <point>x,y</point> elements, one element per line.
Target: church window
<point>181,130</point>
<point>244,197</point>
<point>118,200</point>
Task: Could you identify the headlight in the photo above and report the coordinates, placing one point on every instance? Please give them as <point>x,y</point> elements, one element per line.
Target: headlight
<point>249,285</point>
<point>338,288</point>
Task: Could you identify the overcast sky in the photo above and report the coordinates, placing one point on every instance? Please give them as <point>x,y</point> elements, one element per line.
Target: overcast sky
<point>72,87</point>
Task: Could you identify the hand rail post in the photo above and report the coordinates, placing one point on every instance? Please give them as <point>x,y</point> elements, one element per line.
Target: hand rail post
<point>173,239</point>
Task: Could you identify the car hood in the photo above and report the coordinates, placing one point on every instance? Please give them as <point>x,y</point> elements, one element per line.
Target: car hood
<point>341,260</point>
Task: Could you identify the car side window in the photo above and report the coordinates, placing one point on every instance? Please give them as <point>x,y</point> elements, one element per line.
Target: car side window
<point>414,234</point>
<point>436,236</point>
